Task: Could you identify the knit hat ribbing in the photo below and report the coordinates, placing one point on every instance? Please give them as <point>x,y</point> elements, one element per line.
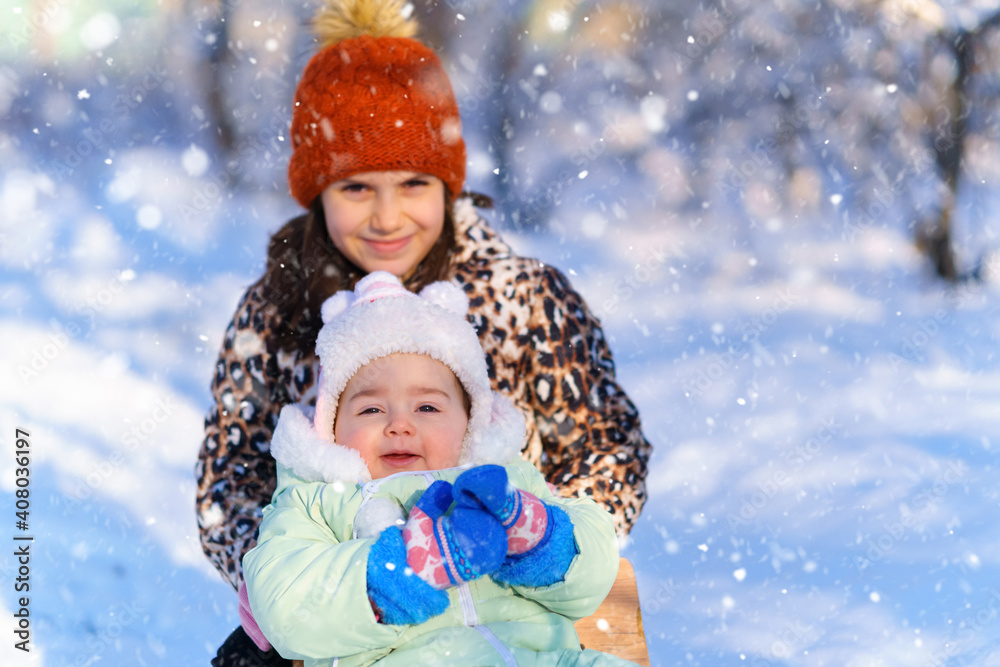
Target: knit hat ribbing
<point>375,102</point>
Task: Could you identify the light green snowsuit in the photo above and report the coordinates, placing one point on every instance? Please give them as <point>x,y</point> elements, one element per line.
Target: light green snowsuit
<point>307,584</point>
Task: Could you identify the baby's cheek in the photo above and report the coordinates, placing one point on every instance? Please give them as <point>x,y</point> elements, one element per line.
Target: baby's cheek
<point>357,441</point>
<point>450,448</point>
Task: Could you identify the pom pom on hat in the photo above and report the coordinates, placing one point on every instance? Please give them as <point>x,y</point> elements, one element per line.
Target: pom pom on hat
<point>338,20</point>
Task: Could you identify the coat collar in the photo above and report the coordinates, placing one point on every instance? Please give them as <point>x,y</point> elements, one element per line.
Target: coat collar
<point>474,238</point>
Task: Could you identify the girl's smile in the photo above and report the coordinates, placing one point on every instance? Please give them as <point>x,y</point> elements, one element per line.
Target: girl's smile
<point>385,220</point>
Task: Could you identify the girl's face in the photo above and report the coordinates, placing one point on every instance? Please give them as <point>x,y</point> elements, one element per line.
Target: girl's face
<point>385,220</point>
<point>403,412</point>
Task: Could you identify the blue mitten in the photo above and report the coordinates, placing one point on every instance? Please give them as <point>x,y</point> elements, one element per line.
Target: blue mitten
<point>447,550</point>
<point>540,542</point>
<point>398,596</point>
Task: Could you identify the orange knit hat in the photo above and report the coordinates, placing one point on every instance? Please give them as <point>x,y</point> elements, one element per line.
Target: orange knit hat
<point>372,99</point>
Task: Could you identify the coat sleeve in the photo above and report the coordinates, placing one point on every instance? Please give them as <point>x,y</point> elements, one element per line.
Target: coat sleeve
<point>235,472</point>
<point>307,588</point>
<point>592,572</point>
<point>592,441</point>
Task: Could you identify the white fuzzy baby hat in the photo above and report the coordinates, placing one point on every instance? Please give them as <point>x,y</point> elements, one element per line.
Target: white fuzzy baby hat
<point>381,317</point>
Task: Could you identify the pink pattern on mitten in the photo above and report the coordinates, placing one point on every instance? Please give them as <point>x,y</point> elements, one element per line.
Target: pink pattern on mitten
<point>423,554</point>
<point>248,621</point>
<point>529,527</point>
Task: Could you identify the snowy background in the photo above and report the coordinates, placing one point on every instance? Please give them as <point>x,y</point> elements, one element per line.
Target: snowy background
<point>733,187</point>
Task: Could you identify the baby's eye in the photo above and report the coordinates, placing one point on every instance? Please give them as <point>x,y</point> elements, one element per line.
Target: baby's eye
<point>427,408</point>
<point>369,411</point>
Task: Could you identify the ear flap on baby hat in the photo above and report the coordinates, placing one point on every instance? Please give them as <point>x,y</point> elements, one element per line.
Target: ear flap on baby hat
<point>447,295</point>
<point>502,439</point>
<point>335,305</point>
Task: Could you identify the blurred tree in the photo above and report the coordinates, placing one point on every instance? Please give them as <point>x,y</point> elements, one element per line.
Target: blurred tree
<point>251,53</point>
<point>949,139</point>
<point>214,21</point>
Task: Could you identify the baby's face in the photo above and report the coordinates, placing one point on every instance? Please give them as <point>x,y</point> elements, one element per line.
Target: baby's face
<point>404,412</point>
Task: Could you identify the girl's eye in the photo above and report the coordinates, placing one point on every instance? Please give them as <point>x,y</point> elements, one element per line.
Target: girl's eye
<point>415,183</point>
<point>354,188</point>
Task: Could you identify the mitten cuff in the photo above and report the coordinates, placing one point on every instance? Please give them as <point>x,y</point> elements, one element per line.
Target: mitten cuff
<point>527,525</point>
<point>548,562</point>
<point>401,597</point>
<point>424,550</point>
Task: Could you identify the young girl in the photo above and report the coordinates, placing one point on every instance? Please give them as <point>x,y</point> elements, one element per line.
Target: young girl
<point>378,164</point>
<point>359,559</point>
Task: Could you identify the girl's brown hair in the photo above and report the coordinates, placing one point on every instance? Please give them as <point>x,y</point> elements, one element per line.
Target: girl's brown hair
<point>304,268</point>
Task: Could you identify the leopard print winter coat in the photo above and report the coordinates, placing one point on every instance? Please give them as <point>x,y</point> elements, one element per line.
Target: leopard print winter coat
<point>544,349</point>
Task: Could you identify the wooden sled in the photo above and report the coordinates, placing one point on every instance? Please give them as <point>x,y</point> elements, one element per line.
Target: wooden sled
<point>616,626</point>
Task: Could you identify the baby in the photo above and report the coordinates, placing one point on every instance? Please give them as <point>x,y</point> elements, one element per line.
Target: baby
<point>405,528</point>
